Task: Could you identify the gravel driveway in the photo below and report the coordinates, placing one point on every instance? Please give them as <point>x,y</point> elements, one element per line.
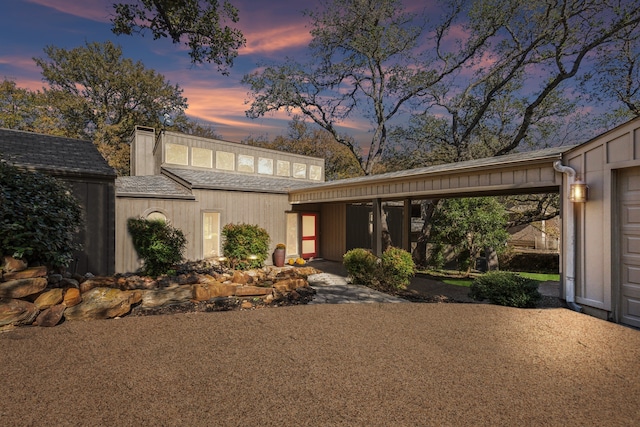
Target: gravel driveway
<point>326,365</point>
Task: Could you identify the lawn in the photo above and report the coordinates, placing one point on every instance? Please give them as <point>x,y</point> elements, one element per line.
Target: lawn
<point>455,278</point>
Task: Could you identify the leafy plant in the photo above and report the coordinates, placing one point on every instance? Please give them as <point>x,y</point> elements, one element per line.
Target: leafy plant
<point>245,245</point>
<point>361,266</point>
<point>397,268</point>
<point>505,288</point>
<point>160,245</point>
<point>39,217</point>
<point>392,271</point>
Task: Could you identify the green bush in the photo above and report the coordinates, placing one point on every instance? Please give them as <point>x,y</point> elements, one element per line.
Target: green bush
<point>397,268</point>
<point>160,245</point>
<point>361,266</point>
<point>392,271</point>
<point>506,288</point>
<point>242,242</point>
<point>39,217</point>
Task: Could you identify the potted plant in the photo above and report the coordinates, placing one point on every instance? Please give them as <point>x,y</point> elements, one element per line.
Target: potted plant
<point>279,255</point>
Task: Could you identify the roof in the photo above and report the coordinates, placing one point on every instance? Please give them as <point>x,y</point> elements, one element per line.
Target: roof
<point>484,163</point>
<point>201,179</point>
<point>151,186</point>
<point>53,154</point>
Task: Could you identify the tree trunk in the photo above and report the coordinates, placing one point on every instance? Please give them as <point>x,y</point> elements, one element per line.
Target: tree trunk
<point>427,208</point>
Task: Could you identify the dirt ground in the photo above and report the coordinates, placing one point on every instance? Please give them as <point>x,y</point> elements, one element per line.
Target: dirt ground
<point>329,365</point>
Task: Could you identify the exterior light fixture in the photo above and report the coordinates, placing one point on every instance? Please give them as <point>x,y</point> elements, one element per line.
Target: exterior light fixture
<point>252,257</point>
<point>578,191</point>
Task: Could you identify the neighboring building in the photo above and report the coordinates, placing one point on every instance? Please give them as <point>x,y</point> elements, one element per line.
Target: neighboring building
<point>201,184</point>
<point>82,167</point>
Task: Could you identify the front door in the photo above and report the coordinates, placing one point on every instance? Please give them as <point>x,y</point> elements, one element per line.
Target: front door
<point>629,205</point>
<point>309,235</point>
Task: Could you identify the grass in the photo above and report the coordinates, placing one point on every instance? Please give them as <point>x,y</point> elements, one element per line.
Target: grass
<point>455,278</point>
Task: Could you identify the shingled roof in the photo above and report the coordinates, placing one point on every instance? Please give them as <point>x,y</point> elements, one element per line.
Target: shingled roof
<point>235,181</point>
<point>151,186</point>
<point>55,155</point>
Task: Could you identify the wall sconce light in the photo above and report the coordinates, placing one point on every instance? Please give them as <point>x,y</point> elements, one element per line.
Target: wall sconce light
<point>578,191</point>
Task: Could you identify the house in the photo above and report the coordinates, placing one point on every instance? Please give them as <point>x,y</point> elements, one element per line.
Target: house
<point>600,237</point>
<point>200,184</point>
<point>91,179</point>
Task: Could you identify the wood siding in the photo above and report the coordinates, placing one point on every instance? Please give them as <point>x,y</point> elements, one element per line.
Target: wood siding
<point>598,162</point>
<point>527,178</point>
<point>265,210</point>
<point>333,226</point>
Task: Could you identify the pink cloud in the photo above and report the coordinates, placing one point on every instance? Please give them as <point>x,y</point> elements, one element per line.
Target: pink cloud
<point>95,10</point>
<point>276,39</point>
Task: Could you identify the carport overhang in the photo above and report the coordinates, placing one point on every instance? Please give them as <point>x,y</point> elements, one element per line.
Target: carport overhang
<point>522,173</point>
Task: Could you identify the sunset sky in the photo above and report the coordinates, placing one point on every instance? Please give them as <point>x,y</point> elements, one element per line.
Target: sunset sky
<point>273,29</point>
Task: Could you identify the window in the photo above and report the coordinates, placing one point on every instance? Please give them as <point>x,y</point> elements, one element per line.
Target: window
<point>299,170</point>
<point>176,154</point>
<point>225,161</point>
<point>210,234</point>
<point>201,157</point>
<point>292,234</point>
<point>245,163</point>
<point>283,168</point>
<point>265,166</point>
<point>157,216</point>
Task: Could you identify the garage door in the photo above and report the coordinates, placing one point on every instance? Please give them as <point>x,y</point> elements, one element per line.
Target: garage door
<point>629,193</point>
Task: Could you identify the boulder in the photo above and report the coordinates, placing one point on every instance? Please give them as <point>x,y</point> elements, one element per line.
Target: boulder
<point>49,298</point>
<point>246,305</point>
<point>28,273</point>
<point>51,316</point>
<point>218,289</point>
<point>201,292</point>
<point>239,277</point>
<point>72,297</point>
<point>17,312</point>
<point>252,291</point>
<point>96,282</point>
<point>154,298</point>
<point>12,264</point>
<point>287,285</point>
<point>21,288</point>
<point>101,303</point>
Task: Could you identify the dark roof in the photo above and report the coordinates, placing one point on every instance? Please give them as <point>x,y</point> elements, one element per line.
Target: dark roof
<point>53,154</point>
<point>151,186</point>
<point>235,181</point>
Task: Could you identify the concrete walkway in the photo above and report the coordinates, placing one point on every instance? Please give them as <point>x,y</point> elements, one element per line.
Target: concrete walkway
<point>332,287</point>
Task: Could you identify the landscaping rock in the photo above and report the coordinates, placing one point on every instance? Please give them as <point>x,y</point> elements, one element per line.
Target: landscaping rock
<point>101,303</point>
<point>289,285</point>
<point>49,298</point>
<point>17,312</point>
<point>252,291</point>
<point>239,277</point>
<point>51,316</point>
<point>201,292</point>
<point>12,264</point>
<point>22,287</point>
<point>218,289</point>
<point>158,297</point>
<point>28,273</point>
<point>96,282</point>
<point>72,297</point>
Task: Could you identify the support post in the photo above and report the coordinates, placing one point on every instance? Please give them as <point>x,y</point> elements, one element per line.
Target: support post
<point>406,226</point>
<point>376,238</point>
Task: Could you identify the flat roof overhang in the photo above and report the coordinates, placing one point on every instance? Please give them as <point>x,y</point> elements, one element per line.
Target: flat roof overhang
<point>530,172</point>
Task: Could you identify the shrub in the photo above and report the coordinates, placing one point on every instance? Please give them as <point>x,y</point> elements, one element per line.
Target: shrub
<point>392,271</point>
<point>160,245</point>
<point>361,266</point>
<point>39,217</point>
<point>506,288</point>
<point>245,245</point>
<point>397,268</point>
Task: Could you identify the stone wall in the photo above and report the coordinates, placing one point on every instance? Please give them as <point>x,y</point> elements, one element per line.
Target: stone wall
<point>31,296</point>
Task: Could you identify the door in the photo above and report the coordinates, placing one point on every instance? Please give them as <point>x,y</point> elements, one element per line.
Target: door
<point>309,235</point>
<point>629,209</point>
<point>210,234</point>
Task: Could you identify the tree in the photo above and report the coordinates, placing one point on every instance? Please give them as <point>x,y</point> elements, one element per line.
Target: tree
<point>469,225</point>
<point>39,218</point>
<point>500,84</point>
<point>99,95</point>
<point>201,22</point>
<point>301,139</point>
<point>23,109</point>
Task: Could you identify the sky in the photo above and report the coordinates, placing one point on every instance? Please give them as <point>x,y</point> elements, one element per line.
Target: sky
<point>274,29</point>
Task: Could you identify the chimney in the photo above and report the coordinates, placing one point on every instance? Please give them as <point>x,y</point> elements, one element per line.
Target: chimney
<point>142,144</point>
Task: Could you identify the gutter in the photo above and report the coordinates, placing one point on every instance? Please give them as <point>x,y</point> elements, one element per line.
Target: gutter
<point>570,274</point>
